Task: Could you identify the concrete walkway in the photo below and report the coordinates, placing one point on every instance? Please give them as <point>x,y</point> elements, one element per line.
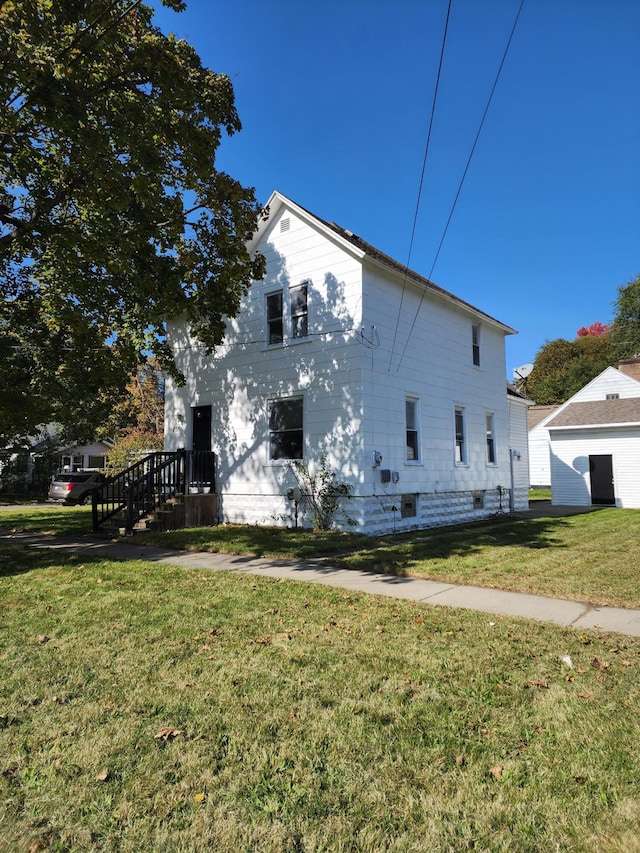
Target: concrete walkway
<point>494,601</point>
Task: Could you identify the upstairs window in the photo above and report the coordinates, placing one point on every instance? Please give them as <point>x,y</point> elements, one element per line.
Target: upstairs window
<point>286,435</point>
<point>461,446</point>
<point>475,345</point>
<point>299,311</point>
<point>612,397</point>
<point>413,444</point>
<point>491,440</point>
<point>275,326</point>
<point>288,314</point>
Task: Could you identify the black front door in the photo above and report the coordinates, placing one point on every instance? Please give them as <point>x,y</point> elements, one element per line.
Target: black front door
<point>601,470</point>
<point>201,474</point>
<point>201,428</point>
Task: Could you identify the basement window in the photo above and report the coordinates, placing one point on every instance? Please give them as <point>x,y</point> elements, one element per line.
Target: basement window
<point>408,506</point>
<point>478,499</point>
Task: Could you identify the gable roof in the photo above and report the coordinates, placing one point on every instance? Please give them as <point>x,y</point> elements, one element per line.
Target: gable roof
<point>537,414</point>
<point>363,250</point>
<point>625,410</point>
<point>607,373</point>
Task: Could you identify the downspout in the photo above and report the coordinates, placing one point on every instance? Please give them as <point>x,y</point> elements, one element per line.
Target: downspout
<point>513,454</point>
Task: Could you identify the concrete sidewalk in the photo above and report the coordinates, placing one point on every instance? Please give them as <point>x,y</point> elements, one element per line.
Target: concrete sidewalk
<point>495,601</point>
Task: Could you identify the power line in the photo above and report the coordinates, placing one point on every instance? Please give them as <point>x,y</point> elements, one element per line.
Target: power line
<point>424,165</point>
<point>464,175</point>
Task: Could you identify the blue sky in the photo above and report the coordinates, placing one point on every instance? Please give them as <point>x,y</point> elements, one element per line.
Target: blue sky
<point>335,99</point>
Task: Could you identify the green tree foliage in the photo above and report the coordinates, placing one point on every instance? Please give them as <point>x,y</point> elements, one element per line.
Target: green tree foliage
<point>131,446</point>
<point>113,216</point>
<point>626,325</point>
<point>562,367</point>
<point>140,407</point>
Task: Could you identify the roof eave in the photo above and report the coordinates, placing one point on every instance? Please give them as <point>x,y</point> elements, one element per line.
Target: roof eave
<point>614,425</point>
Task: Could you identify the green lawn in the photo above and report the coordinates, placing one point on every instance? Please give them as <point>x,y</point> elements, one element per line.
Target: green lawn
<point>593,557</point>
<point>150,708</point>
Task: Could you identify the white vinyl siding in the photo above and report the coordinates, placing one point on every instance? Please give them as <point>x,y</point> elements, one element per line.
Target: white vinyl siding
<point>570,451</point>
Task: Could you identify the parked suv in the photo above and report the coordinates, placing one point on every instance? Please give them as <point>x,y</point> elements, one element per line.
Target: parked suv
<point>75,488</point>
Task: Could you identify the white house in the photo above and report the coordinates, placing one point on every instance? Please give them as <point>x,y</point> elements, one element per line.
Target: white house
<point>92,456</point>
<point>594,442</point>
<point>539,460</point>
<point>342,351</point>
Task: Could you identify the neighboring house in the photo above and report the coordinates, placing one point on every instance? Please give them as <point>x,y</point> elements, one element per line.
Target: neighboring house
<point>28,466</point>
<point>519,408</point>
<point>342,351</point>
<point>593,441</point>
<point>33,466</point>
<point>539,460</point>
<point>92,456</point>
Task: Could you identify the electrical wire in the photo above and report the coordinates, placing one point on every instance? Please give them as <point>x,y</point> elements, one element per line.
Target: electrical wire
<point>462,180</point>
<point>424,166</point>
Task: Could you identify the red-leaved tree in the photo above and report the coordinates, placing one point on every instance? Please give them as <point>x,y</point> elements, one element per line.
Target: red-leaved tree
<point>595,330</point>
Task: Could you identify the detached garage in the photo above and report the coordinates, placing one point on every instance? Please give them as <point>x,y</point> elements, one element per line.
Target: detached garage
<point>595,453</point>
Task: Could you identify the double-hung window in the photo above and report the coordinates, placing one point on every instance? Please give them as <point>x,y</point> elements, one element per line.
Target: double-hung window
<point>275,324</point>
<point>286,433</point>
<point>491,439</point>
<point>299,311</point>
<point>413,438</point>
<point>475,345</point>
<point>288,314</point>
<point>461,445</point>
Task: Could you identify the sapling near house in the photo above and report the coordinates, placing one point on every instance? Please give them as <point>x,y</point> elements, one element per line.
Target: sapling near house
<point>322,494</point>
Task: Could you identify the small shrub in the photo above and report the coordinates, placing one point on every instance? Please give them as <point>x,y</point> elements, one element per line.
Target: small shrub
<point>322,494</point>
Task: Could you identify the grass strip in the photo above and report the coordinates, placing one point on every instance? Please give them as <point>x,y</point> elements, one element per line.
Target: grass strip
<point>145,707</point>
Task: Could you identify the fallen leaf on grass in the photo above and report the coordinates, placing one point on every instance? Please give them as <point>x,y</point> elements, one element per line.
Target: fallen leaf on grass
<point>199,797</point>
<point>496,771</point>
<point>103,776</point>
<point>43,639</point>
<point>263,641</point>
<point>596,664</point>
<point>167,733</point>
<point>584,695</point>
<point>542,683</point>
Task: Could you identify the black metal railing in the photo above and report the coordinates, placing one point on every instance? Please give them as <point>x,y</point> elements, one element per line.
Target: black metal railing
<point>137,491</point>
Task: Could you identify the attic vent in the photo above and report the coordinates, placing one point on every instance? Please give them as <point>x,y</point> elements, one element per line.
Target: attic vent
<point>285,224</point>
<point>613,397</point>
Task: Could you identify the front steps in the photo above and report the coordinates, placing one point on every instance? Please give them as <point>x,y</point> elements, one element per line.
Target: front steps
<point>177,513</point>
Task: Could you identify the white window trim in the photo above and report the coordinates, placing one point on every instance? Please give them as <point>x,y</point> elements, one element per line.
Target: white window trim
<point>476,345</point>
<point>269,293</point>
<point>409,398</point>
<point>287,461</point>
<point>288,339</point>
<point>464,461</point>
<point>490,417</point>
<point>307,286</point>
